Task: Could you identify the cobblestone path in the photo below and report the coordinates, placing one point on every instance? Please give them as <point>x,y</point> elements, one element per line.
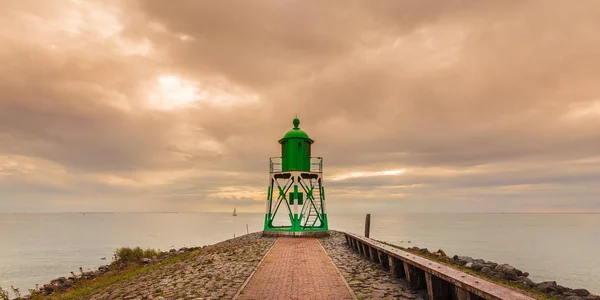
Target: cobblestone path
<point>296,268</point>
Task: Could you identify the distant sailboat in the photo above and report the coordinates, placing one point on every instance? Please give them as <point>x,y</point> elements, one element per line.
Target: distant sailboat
<point>234,213</point>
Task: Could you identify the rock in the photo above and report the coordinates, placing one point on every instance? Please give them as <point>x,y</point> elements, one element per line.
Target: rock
<point>440,253</point>
<point>519,272</point>
<point>424,251</point>
<point>504,268</point>
<point>499,275</point>
<point>508,270</point>
<point>581,292</point>
<point>103,269</point>
<point>462,260</point>
<point>525,274</point>
<point>512,276</point>
<point>146,260</point>
<point>68,283</point>
<point>465,258</point>
<point>546,286</point>
<point>562,289</point>
<point>469,265</point>
<point>48,289</point>
<point>486,270</point>
<point>477,266</point>
<point>525,281</point>
<point>575,298</point>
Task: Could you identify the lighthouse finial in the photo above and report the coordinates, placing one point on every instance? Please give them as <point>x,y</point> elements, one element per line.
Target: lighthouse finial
<point>296,122</point>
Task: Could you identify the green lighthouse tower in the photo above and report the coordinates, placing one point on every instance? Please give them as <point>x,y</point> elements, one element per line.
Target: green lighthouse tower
<point>296,197</point>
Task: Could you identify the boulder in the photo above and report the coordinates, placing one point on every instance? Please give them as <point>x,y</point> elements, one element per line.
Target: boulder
<point>504,268</point>
<point>546,286</point>
<point>48,289</point>
<point>581,292</point>
<point>146,260</point>
<point>525,281</point>
<point>424,251</point>
<point>462,260</point>
<point>562,290</point>
<point>440,253</point>
<point>512,276</point>
<point>508,270</point>
<point>103,269</point>
<point>469,264</point>
<point>519,272</point>
<point>525,274</point>
<point>68,283</point>
<point>477,266</point>
<point>486,270</point>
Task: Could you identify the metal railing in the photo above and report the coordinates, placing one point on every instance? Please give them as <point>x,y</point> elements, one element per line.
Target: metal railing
<point>316,164</point>
<point>276,165</point>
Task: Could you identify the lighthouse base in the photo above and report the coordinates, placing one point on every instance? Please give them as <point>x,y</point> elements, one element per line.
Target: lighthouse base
<point>270,233</point>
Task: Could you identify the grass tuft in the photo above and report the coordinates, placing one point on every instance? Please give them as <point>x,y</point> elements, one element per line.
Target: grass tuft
<point>134,255</point>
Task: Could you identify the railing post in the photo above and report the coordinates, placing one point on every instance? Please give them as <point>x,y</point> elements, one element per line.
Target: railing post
<point>392,264</point>
<point>373,254</point>
<point>367,225</point>
<point>436,287</point>
<point>462,294</point>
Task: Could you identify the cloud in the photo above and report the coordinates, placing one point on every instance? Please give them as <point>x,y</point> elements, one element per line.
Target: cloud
<point>486,106</point>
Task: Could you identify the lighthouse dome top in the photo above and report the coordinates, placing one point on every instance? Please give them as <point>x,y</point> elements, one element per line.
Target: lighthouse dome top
<point>296,132</point>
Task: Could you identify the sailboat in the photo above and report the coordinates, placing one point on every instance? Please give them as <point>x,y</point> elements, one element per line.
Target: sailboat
<point>234,213</point>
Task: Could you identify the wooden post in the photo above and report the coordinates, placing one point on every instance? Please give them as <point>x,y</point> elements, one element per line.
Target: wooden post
<point>373,254</point>
<point>392,264</point>
<point>368,225</point>
<point>462,294</point>
<point>247,231</point>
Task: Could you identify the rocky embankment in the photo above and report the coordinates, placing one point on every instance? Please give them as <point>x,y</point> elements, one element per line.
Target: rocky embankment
<point>210,272</point>
<point>366,279</point>
<point>509,274</point>
<point>514,275</point>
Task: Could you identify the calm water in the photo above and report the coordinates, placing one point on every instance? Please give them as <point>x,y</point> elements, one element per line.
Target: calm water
<point>35,248</point>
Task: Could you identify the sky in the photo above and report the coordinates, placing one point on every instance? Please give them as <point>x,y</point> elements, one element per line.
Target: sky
<point>416,106</point>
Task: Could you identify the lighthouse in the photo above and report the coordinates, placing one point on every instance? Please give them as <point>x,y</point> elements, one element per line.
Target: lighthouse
<point>295,203</point>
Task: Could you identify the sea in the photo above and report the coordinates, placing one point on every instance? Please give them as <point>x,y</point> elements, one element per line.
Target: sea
<point>36,248</point>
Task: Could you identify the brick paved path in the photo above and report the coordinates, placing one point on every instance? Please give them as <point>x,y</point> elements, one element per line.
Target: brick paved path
<point>296,268</point>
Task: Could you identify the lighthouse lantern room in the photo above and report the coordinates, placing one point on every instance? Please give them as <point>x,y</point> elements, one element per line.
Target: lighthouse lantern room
<point>295,197</point>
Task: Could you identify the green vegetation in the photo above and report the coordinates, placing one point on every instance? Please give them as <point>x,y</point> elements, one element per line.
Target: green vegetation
<point>85,288</point>
<point>127,266</point>
<point>134,255</point>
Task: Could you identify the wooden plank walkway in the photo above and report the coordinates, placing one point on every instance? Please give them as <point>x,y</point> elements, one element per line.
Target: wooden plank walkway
<point>296,268</point>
